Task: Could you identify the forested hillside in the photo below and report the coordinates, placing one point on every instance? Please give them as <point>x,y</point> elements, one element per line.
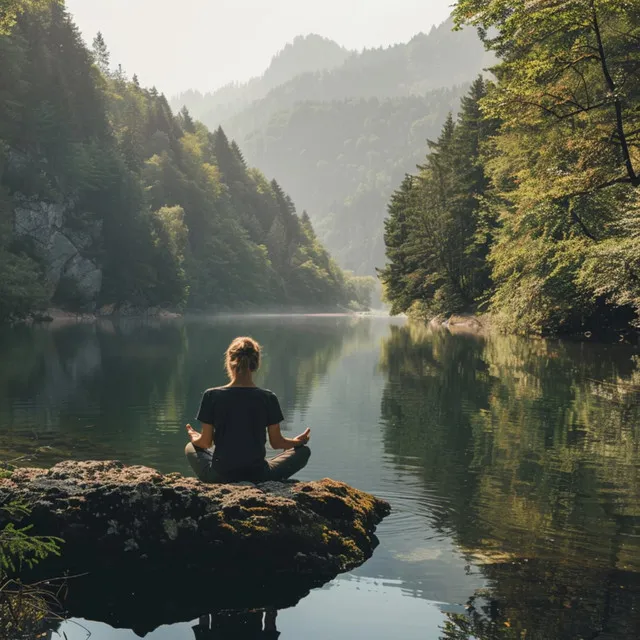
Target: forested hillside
<point>340,138</point>
<point>528,205</point>
<point>346,157</point>
<point>107,198</point>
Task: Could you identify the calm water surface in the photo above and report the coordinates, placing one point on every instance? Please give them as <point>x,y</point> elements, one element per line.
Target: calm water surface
<point>512,465</point>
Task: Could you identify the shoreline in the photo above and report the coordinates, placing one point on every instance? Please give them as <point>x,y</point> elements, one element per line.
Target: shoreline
<point>483,325</point>
<point>56,315</point>
<point>462,323</point>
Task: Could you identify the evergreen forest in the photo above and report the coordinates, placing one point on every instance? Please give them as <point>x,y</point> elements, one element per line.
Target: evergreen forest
<point>108,199</point>
<point>527,205</point>
<point>340,128</point>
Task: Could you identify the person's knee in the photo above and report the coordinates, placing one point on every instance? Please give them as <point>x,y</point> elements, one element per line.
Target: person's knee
<point>304,452</point>
<point>189,450</point>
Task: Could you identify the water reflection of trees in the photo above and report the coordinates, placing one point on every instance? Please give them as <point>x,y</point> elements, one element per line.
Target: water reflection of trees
<point>76,394</point>
<point>535,447</point>
<point>298,351</point>
<point>124,389</point>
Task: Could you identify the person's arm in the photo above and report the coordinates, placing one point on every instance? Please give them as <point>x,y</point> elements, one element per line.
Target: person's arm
<point>202,440</point>
<point>278,441</point>
<point>205,416</point>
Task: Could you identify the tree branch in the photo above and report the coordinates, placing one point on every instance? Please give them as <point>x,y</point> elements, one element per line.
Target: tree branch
<point>633,176</point>
<point>563,116</point>
<point>599,187</point>
<point>576,218</point>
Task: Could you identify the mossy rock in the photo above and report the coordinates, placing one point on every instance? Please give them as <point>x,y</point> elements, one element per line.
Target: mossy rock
<point>165,534</point>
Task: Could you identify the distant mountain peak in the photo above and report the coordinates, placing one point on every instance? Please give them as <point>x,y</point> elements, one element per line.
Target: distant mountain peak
<point>305,53</point>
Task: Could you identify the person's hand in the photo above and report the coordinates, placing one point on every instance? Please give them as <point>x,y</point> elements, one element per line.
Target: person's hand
<point>194,435</point>
<point>303,438</point>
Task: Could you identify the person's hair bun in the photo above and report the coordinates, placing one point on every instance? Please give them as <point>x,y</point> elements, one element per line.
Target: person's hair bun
<point>242,355</point>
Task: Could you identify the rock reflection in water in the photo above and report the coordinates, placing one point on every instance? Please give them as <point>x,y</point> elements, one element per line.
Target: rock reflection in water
<point>142,601</point>
<point>238,625</point>
<point>254,624</point>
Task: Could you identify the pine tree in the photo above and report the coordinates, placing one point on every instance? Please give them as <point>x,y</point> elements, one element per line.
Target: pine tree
<point>120,76</point>
<point>396,238</point>
<point>238,153</point>
<point>101,54</point>
<point>277,244</point>
<point>306,222</point>
<point>436,247</point>
<point>227,161</point>
<point>186,121</point>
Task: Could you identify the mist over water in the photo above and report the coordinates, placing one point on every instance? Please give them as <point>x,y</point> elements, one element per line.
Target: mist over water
<point>512,465</point>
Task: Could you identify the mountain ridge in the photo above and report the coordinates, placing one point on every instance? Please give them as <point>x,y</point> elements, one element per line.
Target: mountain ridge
<point>310,52</point>
<point>340,138</point>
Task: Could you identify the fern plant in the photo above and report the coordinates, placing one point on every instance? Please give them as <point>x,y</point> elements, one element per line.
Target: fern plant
<point>24,608</point>
<point>18,547</point>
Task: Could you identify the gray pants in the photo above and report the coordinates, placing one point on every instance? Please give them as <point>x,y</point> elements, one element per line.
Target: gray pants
<point>279,468</point>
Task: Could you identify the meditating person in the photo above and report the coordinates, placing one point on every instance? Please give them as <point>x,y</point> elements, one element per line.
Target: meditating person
<point>235,421</point>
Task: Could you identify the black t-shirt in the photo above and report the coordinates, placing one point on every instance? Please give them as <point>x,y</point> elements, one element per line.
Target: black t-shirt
<point>240,416</point>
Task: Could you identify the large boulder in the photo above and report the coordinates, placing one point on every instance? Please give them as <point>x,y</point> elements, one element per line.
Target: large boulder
<point>182,543</point>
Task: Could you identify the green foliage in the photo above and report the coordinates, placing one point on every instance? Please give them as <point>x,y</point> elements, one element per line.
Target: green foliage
<point>101,54</point>
<point>570,78</point>
<point>362,289</point>
<point>22,607</point>
<point>21,288</point>
<point>565,163</point>
<point>556,185</point>
<point>19,547</point>
<point>173,215</point>
<point>435,232</point>
<point>11,9</point>
<point>341,130</point>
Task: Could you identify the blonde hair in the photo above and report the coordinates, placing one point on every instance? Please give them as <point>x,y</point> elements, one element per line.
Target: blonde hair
<point>242,355</point>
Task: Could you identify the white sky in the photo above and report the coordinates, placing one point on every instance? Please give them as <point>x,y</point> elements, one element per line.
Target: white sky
<point>203,44</point>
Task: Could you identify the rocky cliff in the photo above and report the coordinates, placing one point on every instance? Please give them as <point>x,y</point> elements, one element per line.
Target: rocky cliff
<point>61,249</point>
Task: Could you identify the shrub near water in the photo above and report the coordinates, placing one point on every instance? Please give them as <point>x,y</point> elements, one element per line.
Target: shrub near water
<point>23,608</point>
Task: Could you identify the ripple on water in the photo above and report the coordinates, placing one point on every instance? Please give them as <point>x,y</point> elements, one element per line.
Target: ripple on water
<point>414,514</point>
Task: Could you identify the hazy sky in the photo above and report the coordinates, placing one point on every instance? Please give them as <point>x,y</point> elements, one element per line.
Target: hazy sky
<point>203,44</point>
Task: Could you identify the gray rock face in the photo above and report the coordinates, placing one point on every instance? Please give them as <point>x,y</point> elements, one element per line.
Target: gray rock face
<point>59,253</point>
<point>38,220</point>
<point>85,275</point>
<point>60,248</point>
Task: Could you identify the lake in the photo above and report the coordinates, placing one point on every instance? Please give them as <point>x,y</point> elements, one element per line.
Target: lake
<point>512,465</point>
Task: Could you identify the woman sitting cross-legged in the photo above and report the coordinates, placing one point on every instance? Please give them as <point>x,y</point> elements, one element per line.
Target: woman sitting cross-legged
<point>235,421</point>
